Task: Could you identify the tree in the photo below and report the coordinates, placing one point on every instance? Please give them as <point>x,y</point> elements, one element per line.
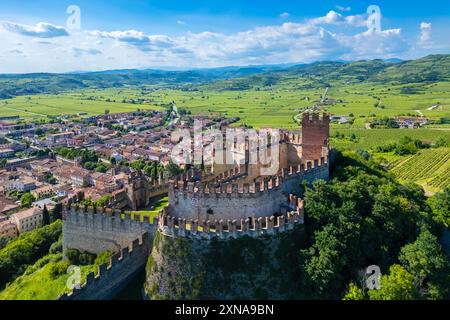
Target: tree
<point>354,293</point>
<point>173,169</point>
<point>3,242</point>
<point>440,205</point>
<point>101,168</point>
<point>45,216</point>
<point>103,200</point>
<point>107,111</point>
<point>425,260</point>
<point>26,200</point>
<point>360,218</point>
<point>138,164</point>
<point>397,285</point>
<point>26,250</point>
<point>56,213</point>
<point>441,142</point>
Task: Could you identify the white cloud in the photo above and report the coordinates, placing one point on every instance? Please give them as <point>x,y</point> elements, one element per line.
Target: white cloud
<point>343,9</point>
<point>181,22</point>
<point>372,44</point>
<point>335,18</point>
<point>89,51</point>
<point>137,39</point>
<point>425,33</point>
<point>41,30</point>
<point>284,15</point>
<point>323,38</point>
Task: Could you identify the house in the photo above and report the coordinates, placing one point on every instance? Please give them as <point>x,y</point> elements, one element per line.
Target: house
<point>43,192</point>
<point>6,153</point>
<point>80,177</point>
<point>411,122</point>
<point>28,219</point>
<point>24,184</point>
<point>8,230</point>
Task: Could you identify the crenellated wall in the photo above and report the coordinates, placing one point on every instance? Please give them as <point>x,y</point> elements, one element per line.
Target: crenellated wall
<point>236,200</point>
<point>311,171</point>
<point>108,230</point>
<point>292,213</point>
<point>227,201</point>
<point>114,276</point>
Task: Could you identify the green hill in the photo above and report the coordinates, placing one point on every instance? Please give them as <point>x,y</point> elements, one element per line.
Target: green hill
<point>432,68</point>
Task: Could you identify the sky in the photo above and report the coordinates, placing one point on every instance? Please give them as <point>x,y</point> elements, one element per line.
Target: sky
<point>80,35</point>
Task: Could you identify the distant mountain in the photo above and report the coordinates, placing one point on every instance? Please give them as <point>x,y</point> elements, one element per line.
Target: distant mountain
<point>393,60</point>
<point>430,68</point>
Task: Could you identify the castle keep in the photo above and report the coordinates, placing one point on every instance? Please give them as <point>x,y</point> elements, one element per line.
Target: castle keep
<point>224,203</point>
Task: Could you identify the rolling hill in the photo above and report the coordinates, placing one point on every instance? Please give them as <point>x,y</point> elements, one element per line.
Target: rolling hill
<point>319,74</point>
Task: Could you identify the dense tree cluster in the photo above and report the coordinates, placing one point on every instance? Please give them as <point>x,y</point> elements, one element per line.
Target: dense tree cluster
<point>26,250</point>
<point>363,218</point>
<point>406,145</point>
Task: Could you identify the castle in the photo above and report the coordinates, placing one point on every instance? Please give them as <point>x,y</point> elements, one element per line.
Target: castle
<point>227,202</point>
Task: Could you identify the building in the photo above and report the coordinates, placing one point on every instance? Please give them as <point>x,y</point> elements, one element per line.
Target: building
<point>27,220</point>
<point>8,229</point>
<point>24,184</point>
<point>43,192</point>
<point>6,153</point>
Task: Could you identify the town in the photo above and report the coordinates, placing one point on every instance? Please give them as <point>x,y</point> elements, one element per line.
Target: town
<point>45,163</point>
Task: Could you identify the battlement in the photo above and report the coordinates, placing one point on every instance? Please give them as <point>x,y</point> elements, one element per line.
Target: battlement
<point>232,174</point>
<point>238,189</point>
<point>124,262</point>
<point>314,119</point>
<point>110,220</point>
<point>198,189</point>
<point>290,137</point>
<point>78,212</point>
<point>292,214</point>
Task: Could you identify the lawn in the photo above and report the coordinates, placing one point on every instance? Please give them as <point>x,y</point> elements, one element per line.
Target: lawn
<point>155,208</point>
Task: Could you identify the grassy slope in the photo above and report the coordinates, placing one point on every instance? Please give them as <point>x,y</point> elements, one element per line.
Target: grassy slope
<point>39,285</point>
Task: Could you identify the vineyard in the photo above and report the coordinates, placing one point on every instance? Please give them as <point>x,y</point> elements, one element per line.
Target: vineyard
<point>429,168</point>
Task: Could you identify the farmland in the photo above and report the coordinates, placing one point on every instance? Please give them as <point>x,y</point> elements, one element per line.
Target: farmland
<point>361,91</point>
<point>39,106</point>
<point>429,168</point>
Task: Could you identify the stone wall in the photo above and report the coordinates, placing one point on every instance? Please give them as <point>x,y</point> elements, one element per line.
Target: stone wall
<point>191,200</point>
<point>292,213</point>
<point>113,277</point>
<point>315,135</point>
<point>227,203</point>
<point>312,171</point>
<point>102,231</point>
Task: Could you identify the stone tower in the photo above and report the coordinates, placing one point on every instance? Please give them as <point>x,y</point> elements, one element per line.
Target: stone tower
<point>315,136</point>
<point>137,187</point>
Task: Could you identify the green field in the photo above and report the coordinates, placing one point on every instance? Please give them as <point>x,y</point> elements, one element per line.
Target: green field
<point>35,107</point>
<point>362,91</point>
<point>430,168</point>
<point>367,139</point>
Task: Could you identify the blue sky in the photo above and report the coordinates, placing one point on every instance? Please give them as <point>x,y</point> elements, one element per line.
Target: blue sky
<point>182,34</point>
